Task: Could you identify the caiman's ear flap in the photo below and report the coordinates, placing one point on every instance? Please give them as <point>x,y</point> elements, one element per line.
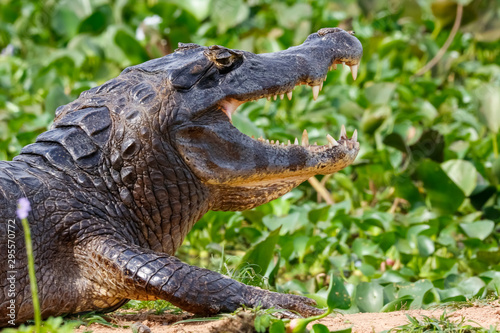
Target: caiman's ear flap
<point>190,72</point>
<point>225,59</point>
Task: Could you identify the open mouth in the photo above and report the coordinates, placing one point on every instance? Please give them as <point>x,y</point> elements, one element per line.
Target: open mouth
<point>230,104</point>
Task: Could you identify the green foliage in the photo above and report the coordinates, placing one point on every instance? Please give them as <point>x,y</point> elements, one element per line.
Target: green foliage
<point>336,298</point>
<point>157,307</point>
<point>416,218</point>
<point>51,325</point>
<point>441,324</point>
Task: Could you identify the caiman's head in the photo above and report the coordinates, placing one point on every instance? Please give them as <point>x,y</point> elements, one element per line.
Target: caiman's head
<point>207,86</point>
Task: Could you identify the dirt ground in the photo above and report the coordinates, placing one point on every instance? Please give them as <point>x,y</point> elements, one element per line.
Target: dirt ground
<point>483,315</point>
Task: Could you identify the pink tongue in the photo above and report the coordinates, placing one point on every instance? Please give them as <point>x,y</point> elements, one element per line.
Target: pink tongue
<point>229,106</point>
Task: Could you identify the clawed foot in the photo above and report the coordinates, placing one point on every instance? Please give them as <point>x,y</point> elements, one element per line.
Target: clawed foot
<point>293,303</point>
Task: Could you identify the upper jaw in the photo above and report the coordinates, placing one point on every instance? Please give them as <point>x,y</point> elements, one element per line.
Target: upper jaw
<point>279,73</point>
<point>229,104</point>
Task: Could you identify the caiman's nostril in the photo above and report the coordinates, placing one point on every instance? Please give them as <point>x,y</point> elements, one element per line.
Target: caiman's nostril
<point>325,31</point>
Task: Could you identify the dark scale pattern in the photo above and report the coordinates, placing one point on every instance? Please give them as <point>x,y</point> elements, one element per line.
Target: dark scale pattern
<point>128,168</point>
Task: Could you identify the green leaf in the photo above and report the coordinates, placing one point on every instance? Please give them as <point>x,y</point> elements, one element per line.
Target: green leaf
<point>320,328</point>
<point>261,253</point>
<point>131,47</point>
<point>472,287</point>
<point>395,140</point>
<point>363,246</point>
<point>380,93</point>
<point>496,167</point>
<point>65,22</point>
<point>199,8</point>
<point>56,98</point>
<point>300,246</point>
<point>481,194</point>
<point>290,16</point>
<point>246,126</point>
<point>271,274</point>
<point>373,118</point>
<point>262,322</point>
<point>369,297</point>
<point>444,195</point>
<point>429,145</point>
<point>402,303</point>
<point>463,173</point>
<point>277,327</point>
<point>479,229</point>
<point>489,95</point>
<point>489,257</point>
<point>338,297</point>
<point>97,21</point>
<point>415,289</point>
<point>406,189</point>
<point>451,295</point>
<point>228,13</point>
<point>288,223</point>
<point>425,246</point>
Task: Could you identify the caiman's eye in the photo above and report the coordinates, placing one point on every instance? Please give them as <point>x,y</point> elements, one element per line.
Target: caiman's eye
<point>223,58</point>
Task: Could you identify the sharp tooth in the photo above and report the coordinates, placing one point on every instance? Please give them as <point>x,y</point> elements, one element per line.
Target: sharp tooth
<point>343,64</point>
<point>342,132</point>
<point>334,66</point>
<point>296,142</point>
<point>282,96</point>
<point>305,139</point>
<point>321,86</point>
<point>344,143</point>
<point>355,136</point>
<point>261,138</point>
<point>315,143</point>
<point>282,144</point>
<point>289,95</point>
<point>289,143</point>
<point>275,96</point>
<point>277,142</point>
<point>315,92</point>
<point>331,140</point>
<point>267,141</point>
<point>268,98</point>
<point>272,141</point>
<point>354,71</point>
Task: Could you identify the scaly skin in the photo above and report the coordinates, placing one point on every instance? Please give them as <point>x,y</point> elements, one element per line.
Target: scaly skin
<point>129,167</point>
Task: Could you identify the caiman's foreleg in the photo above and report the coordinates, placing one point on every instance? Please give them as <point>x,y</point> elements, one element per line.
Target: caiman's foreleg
<point>145,274</point>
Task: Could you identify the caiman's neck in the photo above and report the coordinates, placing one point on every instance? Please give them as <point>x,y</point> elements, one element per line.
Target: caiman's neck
<point>171,201</point>
<point>152,181</point>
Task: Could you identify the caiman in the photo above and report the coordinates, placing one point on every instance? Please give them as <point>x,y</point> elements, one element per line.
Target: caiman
<point>127,169</point>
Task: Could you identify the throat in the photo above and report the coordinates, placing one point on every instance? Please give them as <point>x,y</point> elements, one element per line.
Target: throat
<point>166,208</point>
<point>229,106</point>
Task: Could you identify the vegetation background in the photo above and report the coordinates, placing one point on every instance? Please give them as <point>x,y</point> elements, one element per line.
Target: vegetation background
<point>415,220</point>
